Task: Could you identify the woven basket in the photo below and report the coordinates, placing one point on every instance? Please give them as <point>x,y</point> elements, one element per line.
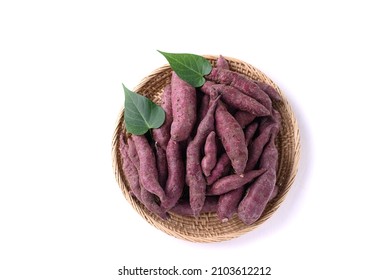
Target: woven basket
<point>207,227</point>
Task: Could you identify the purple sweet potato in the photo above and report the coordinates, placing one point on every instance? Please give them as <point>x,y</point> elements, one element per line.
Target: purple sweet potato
<point>183,108</point>
<point>221,62</point>
<point>194,174</point>
<point>222,167</point>
<point>204,104</point>
<point>259,192</point>
<point>234,98</point>
<point>277,119</point>
<point>274,193</point>
<point>269,157</point>
<point>232,137</point>
<point>249,132</point>
<point>208,89</point>
<point>257,145</point>
<point>148,172</point>
<point>238,100</point>
<point>232,182</point>
<point>183,207</point>
<point>241,82</point>
<point>244,118</point>
<point>253,204</point>
<point>161,135</point>
<point>210,154</point>
<point>228,204</point>
<point>134,158</point>
<point>202,109</point>
<point>149,201</point>
<point>207,124</point>
<point>132,153</point>
<point>224,163</point>
<point>273,94</point>
<point>176,179</point>
<point>129,169</point>
<point>161,161</point>
<point>270,126</point>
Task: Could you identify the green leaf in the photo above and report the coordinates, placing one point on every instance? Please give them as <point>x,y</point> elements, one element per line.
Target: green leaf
<point>140,113</point>
<point>190,67</point>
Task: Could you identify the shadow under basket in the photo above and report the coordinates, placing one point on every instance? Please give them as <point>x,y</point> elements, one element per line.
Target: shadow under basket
<point>207,227</point>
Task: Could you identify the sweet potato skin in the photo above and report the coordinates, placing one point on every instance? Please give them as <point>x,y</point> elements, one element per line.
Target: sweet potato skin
<point>148,172</point>
<point>132,153</point>
<point>203,108</point>
<point>250,132</point>
<point>162,168</point>
<point>238,100</point>
<point>176,174</point>
<point>275,192</point>
<point>232,138</point>
<point>208,89</point>
<point>129,169</point>
<point>257,145</point>
<point>184,109</point>
<point>195,178</point>
<point>273,94</point>
<point>235,98</point>
<point>149,201</point>
<point>241,82</point>
<point>259,192</point>
<point>161,135</point>
<point>210,154</point>
<point>184,208</point>
<point>244,118</point>
<point>221,62</point>
<point>135,181</point>
<point>267,130</point>
<point>223,164</point>
<point>228,203</point>
<point>194,174</point>
<point>232,182</point>
<point>253,204</point>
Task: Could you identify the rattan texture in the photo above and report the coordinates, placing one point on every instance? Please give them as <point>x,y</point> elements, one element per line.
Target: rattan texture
<point>207,227</point>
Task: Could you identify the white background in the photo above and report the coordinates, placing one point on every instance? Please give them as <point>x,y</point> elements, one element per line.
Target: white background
<point>62,63</point>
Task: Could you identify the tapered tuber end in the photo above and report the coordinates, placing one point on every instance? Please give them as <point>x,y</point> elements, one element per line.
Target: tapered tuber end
<point>196,213</point>
<point>164,215</point>
<point>162,197</point>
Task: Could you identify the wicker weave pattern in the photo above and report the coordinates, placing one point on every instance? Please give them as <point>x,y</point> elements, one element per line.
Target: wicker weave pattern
<point>207,227</point>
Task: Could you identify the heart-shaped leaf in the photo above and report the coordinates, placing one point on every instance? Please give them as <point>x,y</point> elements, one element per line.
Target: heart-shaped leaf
<point>190,67</point>
<point>140,113</point>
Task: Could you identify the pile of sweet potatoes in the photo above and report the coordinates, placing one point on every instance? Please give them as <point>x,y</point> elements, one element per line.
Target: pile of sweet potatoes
<point>215,151</point>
